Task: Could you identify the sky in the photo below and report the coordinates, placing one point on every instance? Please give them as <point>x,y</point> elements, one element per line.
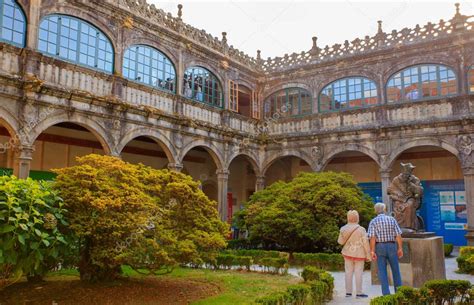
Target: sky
<point>279,27</point>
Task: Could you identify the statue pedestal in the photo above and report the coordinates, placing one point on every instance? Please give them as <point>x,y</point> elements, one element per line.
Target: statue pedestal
<point>423,260</point>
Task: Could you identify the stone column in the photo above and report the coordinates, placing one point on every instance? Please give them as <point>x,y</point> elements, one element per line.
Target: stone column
<point>22,162</point>
<point>222,180</point>
<point>177,167</point>
<point>259,182</point>
<point>469,188</point>
<point>385,178</point>
<point>33,24</point>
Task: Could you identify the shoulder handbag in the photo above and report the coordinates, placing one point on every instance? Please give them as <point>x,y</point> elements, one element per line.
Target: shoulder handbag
<point>350,235</point>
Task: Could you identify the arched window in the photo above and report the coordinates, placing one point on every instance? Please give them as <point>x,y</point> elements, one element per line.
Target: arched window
<point>13,25</point>
<point>149,66</point>
<point>288,102</point>
<point>470,79</point>
<point>201,85</point>
<point>350,92</point>
<point>421,82</point>
<point>76,41</point>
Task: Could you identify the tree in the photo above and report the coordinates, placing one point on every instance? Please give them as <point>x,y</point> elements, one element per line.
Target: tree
<point>135,215</point>
<point>304,214</point>
<point>32,225</point>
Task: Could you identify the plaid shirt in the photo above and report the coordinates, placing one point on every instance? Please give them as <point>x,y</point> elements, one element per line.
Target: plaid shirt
<point>384,228</point>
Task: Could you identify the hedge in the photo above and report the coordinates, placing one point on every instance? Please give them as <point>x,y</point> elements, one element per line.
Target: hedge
<point>315,291</point>
<point>448,249</point>
<point>257,255</point>
<point>269,264</point>
<point>327,261</point>
<point>432,292</point>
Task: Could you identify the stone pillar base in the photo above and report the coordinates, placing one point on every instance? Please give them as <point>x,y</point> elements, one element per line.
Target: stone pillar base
<point>423,260</point>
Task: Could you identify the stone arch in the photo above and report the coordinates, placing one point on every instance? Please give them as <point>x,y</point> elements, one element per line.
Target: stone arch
<point>349,147</point>
<point>163,141</point>
<point>416,143</point>
<point>90,17</point>
<point>10,122</point>
<point>209,147</point>
<point>249,157</point>
<point>287,153</point>
<point>95,128</point>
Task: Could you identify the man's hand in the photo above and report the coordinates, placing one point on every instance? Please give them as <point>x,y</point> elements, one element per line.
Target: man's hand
<point>374,256</point>
<point>400,253</point>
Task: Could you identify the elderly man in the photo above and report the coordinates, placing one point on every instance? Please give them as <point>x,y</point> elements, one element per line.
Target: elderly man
<point>386,246</point>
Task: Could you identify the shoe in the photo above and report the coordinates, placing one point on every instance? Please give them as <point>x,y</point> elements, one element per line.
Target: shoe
<point>362,295</point>
<point>348,295</point>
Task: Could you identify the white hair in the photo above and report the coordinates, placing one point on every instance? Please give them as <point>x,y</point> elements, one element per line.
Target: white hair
<point>379,208</point>
<point>352,216</point>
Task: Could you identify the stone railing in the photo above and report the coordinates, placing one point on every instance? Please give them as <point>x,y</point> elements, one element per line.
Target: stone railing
<point>9,60</point>
<point>375,117</point>
<point>202,114</point>
<point>76,78</point>
<point>150,98</point>
<point>243,124</point>
<point>459,23</point>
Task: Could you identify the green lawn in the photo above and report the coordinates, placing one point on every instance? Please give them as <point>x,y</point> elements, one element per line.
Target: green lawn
<point>237,287</point>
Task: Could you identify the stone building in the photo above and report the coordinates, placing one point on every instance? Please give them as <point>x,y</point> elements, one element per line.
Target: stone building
<point>124,78</point>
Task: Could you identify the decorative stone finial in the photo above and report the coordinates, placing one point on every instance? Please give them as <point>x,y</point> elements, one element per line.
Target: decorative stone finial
<point>379,27</point>
<point>314,49</point>
<point>180,11</point>
<point>457,9</point>
<point>258,55</point>
<point>224,37</point>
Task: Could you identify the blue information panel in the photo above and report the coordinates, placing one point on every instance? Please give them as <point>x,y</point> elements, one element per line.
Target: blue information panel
<point>443,208</point>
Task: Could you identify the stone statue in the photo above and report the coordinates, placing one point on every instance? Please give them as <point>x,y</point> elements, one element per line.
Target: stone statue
<point>406,191</point>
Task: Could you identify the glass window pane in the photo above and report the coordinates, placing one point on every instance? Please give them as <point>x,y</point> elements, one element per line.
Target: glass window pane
<point>71,42</point>
<point>13,26</point>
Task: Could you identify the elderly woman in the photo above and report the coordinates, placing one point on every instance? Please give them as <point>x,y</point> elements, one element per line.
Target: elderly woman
<point>356,251</point>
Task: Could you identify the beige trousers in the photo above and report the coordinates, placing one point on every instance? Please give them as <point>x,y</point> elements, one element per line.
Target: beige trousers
<point>354,268</point>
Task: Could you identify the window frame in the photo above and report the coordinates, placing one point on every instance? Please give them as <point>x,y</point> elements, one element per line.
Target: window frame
<point>301,92</point>
<point>233,100</point>
<point>25,24</point>
<point>150,68</point>
<point>78,42</point>
<point>420,83</point>
<point>363,98</point>
<point>470,70</point>
<point>215,81</point>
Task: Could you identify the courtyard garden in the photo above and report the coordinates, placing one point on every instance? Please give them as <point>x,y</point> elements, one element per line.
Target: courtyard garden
<point>110,232</point>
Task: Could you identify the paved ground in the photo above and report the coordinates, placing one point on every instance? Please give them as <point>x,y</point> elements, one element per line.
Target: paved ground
<point>374,290</point>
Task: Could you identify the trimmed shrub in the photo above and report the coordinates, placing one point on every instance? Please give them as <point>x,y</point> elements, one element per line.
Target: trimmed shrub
<point>432,292</point>
<point>274,265</point>
<point>311,273</point>
<point>466,250</point>
<point>257,255</point>
<point>449,291</point>
<point>326,261</point>
<point>313,292</point>
<point>448,249</point>
<point>466,263</point>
